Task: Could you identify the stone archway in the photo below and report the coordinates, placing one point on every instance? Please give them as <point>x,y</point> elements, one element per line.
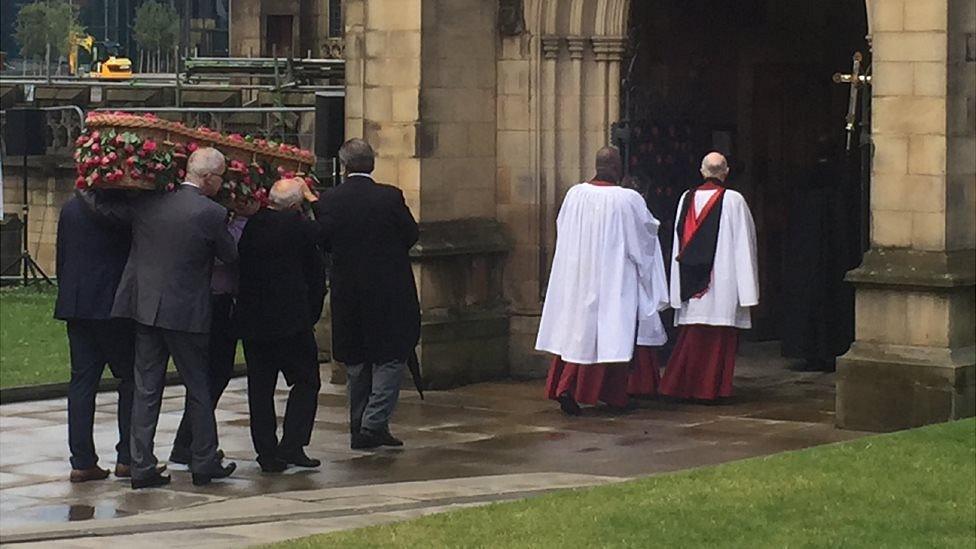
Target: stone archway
<point>913,359</point>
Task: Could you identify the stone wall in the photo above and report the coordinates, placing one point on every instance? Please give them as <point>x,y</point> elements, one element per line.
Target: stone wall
<point>50,184</point>
<point>420,81</point>
<point>310,27</point>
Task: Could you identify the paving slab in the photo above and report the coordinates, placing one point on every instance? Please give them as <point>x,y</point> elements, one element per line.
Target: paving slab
<point>503,431</point>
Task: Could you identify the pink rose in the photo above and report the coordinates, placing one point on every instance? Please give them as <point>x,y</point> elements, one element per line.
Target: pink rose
<point>149,146</point>
<point>192,147</point>
<point>105,161</point>
<point>80,183</point>
<point>235,137</point>
<point>96,148</point>
<point>170,187</point>
<point>112,156</point>
<point>95,135</point>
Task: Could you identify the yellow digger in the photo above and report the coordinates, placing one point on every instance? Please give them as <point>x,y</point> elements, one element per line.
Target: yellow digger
<point>102,60</point>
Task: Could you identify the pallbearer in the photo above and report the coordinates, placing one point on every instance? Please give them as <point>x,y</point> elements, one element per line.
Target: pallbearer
<point>714,282</point>
<point>607,285</point>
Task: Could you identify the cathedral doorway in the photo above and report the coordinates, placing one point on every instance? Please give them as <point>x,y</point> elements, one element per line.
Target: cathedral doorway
<point>752,78</point>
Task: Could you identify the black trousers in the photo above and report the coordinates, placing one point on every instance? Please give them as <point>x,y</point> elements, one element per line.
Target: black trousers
<point>296,357</point>
<point>223,351</point>
<point>190,353</point>
<point>93,344</point>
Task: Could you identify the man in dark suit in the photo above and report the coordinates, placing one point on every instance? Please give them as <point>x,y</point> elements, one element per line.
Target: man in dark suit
<point>91,253</point>
<point>375,312</point>
<point>165,289</point>
<point>282,287</point>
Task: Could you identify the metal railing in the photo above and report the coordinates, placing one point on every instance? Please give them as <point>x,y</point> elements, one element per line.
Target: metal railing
<point>63,125</point>
<point>293,125</point>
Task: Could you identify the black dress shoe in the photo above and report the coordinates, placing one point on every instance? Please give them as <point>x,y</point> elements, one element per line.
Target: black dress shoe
<point>183,456</point>
<point>365,440</point>
<point>386,438</point>
<point>273,465</point>
<point>200,479</point>
<point>569,405</point>
<point>300,459</point>
<point>153,481</point>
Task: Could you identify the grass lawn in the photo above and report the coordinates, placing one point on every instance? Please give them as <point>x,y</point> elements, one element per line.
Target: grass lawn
<point>909,489</point>
<point>33,345</point>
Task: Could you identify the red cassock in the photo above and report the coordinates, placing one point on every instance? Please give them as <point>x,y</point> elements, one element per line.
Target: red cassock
<point>702,364</point>
<point>609,383</point>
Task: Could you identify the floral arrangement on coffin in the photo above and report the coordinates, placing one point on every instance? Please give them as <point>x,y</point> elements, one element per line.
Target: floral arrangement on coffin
<point>125,151</point>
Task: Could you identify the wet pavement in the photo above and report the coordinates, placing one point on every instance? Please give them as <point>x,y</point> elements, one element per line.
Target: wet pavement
<point>475,432</point>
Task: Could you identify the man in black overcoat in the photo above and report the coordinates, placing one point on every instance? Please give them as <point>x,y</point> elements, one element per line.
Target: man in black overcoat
<point>369,231</point>
<point>282,287</point>
<point>91,254</point>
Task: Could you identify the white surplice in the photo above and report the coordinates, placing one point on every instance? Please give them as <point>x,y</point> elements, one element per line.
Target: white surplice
<point>607,282</point>
<point>735,276</point>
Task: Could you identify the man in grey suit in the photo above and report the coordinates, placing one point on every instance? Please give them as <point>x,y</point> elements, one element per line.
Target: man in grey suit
<point>165,289</point>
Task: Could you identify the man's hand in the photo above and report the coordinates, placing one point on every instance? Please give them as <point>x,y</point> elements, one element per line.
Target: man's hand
<point>246,207</point>
<point>309,193</point>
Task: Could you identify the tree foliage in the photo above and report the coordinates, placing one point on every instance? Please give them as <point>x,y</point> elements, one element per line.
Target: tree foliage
<point>46,22</point>
<point>157,26</point>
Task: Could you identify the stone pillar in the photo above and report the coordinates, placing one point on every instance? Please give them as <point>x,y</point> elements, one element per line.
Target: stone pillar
<point>913,359</point>
<point>550,173</point>
<point>569,124</point>
<point>609,52</point>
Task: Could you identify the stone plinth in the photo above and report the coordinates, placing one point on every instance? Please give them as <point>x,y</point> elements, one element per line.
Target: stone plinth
<point>913,361</point>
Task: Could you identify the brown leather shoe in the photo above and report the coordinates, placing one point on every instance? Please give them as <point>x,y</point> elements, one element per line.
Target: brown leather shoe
<point>124,471</point>
<point>92,473</point>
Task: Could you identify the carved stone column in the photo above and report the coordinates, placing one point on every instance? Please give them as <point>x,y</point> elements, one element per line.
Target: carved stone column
<point>550,106</point>
<point>570,120</point>
<point>609,51</point>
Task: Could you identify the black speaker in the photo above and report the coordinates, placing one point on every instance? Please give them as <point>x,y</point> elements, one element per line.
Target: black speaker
<point>330,123</point>
<point>25,133</point>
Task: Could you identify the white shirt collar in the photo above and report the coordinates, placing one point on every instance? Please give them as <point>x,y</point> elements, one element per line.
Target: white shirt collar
<point>357,174</point>
<point>190,183</point>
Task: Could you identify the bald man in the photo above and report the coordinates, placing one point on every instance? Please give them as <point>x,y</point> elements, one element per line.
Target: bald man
<point>605,290</point>
<point>714,282</point>
<point>280,294</point>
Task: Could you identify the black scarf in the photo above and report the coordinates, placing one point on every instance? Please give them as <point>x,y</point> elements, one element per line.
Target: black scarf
<point>697,258</point>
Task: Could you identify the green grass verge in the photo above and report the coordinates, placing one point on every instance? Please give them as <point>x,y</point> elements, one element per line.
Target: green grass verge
<point>33,344</point>
<point>909,489</point>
